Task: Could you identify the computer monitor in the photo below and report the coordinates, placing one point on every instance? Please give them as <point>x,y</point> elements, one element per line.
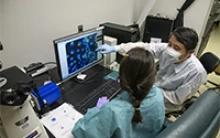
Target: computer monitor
<point>77,52</point>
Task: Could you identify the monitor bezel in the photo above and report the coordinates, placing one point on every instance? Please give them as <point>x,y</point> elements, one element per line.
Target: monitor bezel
<point>71,36</point>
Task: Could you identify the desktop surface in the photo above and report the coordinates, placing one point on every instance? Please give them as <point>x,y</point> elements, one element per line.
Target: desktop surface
<point>74,91</point>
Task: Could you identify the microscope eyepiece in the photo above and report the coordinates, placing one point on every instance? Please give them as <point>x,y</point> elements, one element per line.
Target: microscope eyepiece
<point>9,98</point>
<point>24,89</point>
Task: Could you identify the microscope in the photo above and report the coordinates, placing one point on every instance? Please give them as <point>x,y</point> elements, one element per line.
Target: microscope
<point>17,117</point>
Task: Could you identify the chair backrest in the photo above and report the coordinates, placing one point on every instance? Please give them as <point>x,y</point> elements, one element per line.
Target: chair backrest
<point>201,120</point>
<point>217,70</point>
<point>209,61</point>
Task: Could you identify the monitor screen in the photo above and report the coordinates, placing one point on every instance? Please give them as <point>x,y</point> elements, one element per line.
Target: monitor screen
<point>76,53</point>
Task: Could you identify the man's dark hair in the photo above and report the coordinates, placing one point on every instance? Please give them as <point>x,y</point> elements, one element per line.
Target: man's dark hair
<point>187,36</point>
<point>137,75</point>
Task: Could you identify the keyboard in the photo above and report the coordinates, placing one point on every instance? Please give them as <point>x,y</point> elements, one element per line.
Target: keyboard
<point>109,89</point>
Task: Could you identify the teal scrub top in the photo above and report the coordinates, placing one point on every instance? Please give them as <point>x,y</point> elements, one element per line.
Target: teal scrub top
<point>113,120</point>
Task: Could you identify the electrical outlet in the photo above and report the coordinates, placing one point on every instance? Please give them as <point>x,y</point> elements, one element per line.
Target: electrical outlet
<point>80,28</point>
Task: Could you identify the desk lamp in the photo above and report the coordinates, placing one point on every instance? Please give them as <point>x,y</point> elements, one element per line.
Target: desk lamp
<point>3,80</point>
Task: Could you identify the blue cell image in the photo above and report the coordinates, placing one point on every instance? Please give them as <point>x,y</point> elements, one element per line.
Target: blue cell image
<point>85,40</point>
<point>79,57</point>
<point>72,43</point>
<point>79,43</point>
<point>83,54</point>
<point>72,52</point>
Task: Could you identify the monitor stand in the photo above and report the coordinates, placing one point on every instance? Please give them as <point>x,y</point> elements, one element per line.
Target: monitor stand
<point>3,81</point>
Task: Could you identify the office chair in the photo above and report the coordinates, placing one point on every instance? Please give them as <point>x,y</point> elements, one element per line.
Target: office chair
<point>211,63</point>
<point>217,72</point>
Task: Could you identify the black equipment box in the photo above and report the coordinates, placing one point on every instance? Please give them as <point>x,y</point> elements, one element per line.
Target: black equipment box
<point>157,27</point>
<point>123,34</point>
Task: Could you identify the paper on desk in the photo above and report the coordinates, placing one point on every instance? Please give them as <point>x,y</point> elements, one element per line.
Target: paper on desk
<point>61,121</point>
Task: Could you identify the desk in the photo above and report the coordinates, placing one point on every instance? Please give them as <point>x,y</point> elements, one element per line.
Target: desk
<point>72,91</point>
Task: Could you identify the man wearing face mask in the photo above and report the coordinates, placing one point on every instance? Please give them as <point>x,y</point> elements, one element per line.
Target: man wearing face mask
<point>180,73</point>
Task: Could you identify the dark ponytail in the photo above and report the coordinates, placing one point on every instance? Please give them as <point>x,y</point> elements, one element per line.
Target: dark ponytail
<point>137,113</point>
<point>137,73</point>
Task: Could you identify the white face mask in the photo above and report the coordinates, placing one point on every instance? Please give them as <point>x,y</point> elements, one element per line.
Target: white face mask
<point>174,55</point>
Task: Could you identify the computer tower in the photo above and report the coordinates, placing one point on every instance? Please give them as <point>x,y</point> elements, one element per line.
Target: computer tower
<point>157,28</point>
<point>123,34</point>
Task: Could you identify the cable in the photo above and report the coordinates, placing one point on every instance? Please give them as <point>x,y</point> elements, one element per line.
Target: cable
<point>50,63</point>
<point>50,74</point>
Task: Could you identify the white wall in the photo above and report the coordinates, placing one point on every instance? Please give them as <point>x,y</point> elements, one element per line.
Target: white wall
<point>0,27</point>
<point>0,18</point>
<point>30,26</point>
<point>195,16</point>
<point>138,8</point>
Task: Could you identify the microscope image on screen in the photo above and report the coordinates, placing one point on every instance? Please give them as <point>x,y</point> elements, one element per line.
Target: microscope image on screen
<point>81,52</point>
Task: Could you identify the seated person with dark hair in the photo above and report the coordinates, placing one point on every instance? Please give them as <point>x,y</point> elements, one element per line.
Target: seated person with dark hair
<point>138,112</point>
<point>180,73</point>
